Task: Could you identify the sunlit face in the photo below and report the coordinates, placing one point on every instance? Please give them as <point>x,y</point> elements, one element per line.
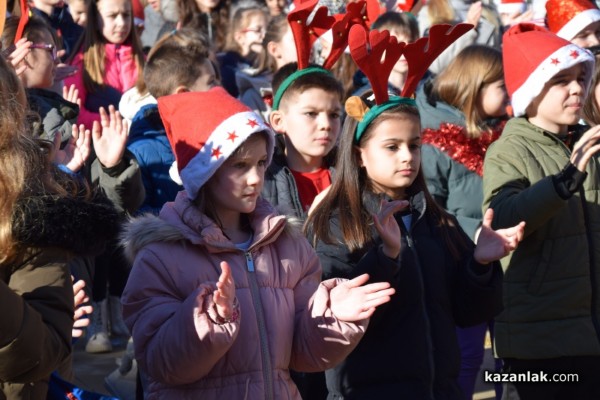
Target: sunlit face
<point>115,19</point>
<point>41,65</point>
<point>561,101</point>
<point>310,122</point>
<point>155,4</point>
<point>78,10</point>
<point>589,36</point>
<point>207,6</point>
<point>401,65</point>
<point>284,51</point>
<point>275,7</point>
<point>207,79</point>
<point>239,180</point>
<point>250,38</point>
<point>493,99</point>
<point>391,155</point>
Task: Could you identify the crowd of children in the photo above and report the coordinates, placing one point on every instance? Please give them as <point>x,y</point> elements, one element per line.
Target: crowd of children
<point>300,200</point>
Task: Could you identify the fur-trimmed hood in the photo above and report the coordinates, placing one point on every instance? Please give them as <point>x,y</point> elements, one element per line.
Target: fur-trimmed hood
<point>181,221</point>
<point>74,224</point>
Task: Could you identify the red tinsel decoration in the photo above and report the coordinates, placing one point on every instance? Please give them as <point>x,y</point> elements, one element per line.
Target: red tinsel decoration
<point>453,140</point>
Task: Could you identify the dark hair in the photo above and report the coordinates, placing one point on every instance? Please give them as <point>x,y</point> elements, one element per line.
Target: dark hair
<point>33,30</point>
<point>214,25</point>
<point>345,194</point>
<point>405,23</point>
<point>591,110</point>
<point>175,60</point>
<point>324,81</point>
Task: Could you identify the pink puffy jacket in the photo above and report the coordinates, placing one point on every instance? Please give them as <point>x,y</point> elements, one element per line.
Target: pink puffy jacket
<point>285,320</point>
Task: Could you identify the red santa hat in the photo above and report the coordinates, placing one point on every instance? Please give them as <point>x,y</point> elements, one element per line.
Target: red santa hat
<point>531,56</point>
<point>204,129</point>
<point>567,18</point>
<point>511,6</point>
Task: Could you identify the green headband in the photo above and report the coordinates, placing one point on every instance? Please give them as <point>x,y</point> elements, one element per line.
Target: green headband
<point>377,110</point>
<point>290,79</point>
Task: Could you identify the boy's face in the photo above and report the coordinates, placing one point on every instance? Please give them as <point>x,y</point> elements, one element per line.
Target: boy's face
<point>560,102</point>
<point>589,36</point>
<point>310,122</point>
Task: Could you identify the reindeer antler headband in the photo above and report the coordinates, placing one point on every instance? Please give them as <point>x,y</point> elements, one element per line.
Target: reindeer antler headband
<point>305,34</point>
<point>367,52</point>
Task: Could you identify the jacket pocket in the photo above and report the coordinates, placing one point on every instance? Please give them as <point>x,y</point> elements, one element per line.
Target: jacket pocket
<point>539,273</point>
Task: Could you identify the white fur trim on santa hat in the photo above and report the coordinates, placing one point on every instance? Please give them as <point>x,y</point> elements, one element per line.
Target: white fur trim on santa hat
<point>563,58</point>
<point>219,146</point>
<point>578,23</point>
<point>512,7</point>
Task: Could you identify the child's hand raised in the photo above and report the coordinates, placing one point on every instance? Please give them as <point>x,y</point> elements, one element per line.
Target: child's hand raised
<point>351,301</point>
<point>71,94</point>
<point>224,296</point>
<point>109,137</point>
<point>585,148</point>
<point>387,226</point>
<point>493,245</point>
<point>76,151</point>
<point>16,53</point>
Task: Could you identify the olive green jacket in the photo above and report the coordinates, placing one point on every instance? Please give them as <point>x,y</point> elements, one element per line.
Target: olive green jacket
<point>551,282</point>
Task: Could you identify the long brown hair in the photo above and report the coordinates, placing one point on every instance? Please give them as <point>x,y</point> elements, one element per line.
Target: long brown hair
<point>591,110</point>
<point>461,83</point>
<point>92,43</point>
<point>25,165</point>
<point>215,25</point>
<point>346,193</point>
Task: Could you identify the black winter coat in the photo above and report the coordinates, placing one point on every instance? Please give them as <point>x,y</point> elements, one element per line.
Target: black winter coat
<point>410,350</point>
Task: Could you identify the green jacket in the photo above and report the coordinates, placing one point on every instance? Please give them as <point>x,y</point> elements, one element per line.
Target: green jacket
<point>550,295</point>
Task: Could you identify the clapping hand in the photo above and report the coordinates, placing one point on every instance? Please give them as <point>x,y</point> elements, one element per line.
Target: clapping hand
<point>387,226</point>
<point>493,245</point>
<point>224,296</point>
<point>71,94</point>
<point>16,53</point>
<point>80,298</point>
<point>585,148</point>
<point>76,151</point>
<point>351,301</point>
<point>109,137</point>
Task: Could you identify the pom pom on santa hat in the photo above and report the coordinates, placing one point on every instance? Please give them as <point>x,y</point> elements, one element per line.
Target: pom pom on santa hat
<point>567,18</point>
<point>204,129</point>
<point>532,55</point>
<point>511,6</point>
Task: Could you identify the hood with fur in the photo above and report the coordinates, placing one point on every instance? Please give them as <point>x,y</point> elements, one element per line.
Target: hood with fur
<point>74,224</point>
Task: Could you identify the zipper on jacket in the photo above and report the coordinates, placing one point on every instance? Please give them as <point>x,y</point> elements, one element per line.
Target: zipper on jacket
<point>411,246</point>
<point>262,330</point>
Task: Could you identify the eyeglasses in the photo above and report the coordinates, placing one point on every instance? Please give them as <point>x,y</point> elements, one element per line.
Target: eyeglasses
<point>257,30</point>
<point>46,46</point>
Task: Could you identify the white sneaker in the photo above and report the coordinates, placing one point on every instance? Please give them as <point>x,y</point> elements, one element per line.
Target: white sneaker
<point>98,343</point>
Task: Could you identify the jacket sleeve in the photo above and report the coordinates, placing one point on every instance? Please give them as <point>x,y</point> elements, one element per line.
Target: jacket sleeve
<point>508,191</point>
<point>37,318</point>
<point>320,340</point>
<point>122,184</point>
<point>86,117</point>
<point>175,340</point>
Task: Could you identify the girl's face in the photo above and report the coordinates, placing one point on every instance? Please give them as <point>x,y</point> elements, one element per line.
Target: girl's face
<point>284,51</point>
<point>493,99</point>
<point>41,63</point>
<point>391,155</point>
<point>250,38</point>
<point>78,10</point>
<point>275,7</point>
<point>239,181</point>
<point>115,20</point>
<point>207,6</point>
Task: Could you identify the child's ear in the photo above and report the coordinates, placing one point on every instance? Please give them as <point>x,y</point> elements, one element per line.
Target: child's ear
<point>277,121</point>
<point>181,89</point>
<point>273,49</point>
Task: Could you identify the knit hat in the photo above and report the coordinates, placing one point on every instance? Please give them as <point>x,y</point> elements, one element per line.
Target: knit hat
<point>567,18</point>
<point>511,6</point>
<point>204,129</point>
<point>532,55</point>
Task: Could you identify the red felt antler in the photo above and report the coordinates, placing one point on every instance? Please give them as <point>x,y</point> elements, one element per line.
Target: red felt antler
<point>22,21</point>
<point>421,53</point>
<point>306,34</point>
<point>367,53</point>
<point>364,12</point>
